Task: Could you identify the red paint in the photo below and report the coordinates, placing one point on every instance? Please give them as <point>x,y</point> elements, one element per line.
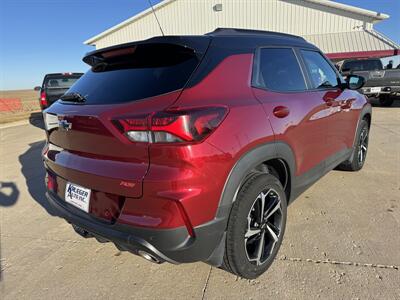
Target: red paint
<point>362,54</point>
<point>180,184</point>
<point>10,104</point>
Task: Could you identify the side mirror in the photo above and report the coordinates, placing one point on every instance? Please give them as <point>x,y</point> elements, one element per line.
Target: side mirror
<point>37,88</point>
<point>355,82</point>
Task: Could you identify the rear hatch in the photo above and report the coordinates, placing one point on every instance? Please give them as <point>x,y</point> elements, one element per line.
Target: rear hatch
<point>85,146</point>
<point>56,85</point>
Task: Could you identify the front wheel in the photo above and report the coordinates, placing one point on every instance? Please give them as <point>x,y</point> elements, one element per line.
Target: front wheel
<point>360,150</point>
<point>256,226</point>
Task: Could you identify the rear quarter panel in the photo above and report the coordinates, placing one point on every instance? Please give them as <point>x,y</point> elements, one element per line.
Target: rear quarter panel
<point>198,172</point>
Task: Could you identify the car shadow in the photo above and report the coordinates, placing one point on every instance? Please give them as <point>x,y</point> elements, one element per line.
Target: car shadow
<point>9,193</point>
<point>36,119</point>
<point>33,170</point>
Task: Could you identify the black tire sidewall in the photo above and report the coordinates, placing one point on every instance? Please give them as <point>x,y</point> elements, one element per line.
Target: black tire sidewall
<point>356,164</point>
<point>238,223</point>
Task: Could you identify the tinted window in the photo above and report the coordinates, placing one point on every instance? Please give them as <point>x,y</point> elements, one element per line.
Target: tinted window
<point>280,70</point>
<point>362,65</point>
<point>321,73</point>
<point>60,82</point>
<point>139,72</point>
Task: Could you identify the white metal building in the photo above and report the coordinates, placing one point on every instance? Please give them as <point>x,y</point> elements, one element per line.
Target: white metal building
<point>341,31</point>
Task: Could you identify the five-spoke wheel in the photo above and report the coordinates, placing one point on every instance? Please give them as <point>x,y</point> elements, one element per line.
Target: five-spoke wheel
<point>256,226</point>
<point>264,223</point>
<point>363,146</point>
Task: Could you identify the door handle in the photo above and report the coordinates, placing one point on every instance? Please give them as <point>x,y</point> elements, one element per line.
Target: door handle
<point>281,111</point>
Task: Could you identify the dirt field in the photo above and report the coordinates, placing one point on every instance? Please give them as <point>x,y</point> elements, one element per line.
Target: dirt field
<point>29,104</point>
<point>342,239</point>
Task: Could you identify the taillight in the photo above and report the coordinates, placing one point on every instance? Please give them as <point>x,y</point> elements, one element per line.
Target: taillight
<point>51,182</point>
<point>172,126</point>
<point>43,98</point>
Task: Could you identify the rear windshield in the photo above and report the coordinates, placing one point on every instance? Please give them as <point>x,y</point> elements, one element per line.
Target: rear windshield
<point>362,65</point>
<point>136,73</point>
<point>60,82</point>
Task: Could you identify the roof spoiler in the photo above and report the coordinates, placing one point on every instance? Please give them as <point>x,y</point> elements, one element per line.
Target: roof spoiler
<point>198,44</point>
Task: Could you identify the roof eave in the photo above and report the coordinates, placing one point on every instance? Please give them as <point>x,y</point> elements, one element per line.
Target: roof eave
<point>377,16</point>
<point>92,40</point>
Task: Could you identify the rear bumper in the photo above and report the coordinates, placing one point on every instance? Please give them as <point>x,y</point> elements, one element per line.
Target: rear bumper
<point>171,245</point>
<point>385,90</point>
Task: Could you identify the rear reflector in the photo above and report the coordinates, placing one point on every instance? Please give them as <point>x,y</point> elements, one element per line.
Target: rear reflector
<point>173,126</point>
<point>186,219</point>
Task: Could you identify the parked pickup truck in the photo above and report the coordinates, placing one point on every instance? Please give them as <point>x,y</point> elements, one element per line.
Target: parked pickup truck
<point>380,83</point>
<point>54,86</point>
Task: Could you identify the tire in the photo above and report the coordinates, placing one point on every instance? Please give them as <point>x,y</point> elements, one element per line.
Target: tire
<point>241,255</point>
<point>385,100</point>
<point>357,160</point>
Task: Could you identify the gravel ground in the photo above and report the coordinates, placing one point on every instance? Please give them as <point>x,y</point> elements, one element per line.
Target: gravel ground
<point>342,239</point>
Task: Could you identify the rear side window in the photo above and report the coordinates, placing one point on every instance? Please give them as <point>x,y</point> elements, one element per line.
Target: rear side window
<point>136,73</point>
<point>279,70</point>
<point>321,73</point>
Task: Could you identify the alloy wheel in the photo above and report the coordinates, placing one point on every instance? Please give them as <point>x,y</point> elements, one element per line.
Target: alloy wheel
<point>264,226</point>
<point>363,146</point>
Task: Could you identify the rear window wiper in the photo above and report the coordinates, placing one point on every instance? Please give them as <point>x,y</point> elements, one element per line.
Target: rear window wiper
<point>73,97</point>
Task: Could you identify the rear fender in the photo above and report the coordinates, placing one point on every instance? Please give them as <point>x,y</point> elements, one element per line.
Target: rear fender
<point>237,177</point>
<point>246,164</point>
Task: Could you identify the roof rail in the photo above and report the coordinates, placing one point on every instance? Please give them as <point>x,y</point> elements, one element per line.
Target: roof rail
<point>240,31</point>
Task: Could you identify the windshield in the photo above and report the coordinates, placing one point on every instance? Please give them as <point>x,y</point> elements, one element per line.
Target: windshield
<point>136,73</point>
<point>362,65</point>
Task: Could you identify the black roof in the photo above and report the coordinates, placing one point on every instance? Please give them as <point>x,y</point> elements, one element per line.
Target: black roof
<point>251,32</point>
<point>232,39</point>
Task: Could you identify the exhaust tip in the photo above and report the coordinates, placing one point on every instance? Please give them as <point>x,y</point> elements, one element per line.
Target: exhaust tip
<point>149,257</point>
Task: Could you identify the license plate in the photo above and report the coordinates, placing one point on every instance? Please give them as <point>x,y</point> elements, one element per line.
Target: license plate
<point>77,196</point>
<point>375,89</point>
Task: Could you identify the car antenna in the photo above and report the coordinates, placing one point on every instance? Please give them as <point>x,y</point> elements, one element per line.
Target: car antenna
<point>158,22</point>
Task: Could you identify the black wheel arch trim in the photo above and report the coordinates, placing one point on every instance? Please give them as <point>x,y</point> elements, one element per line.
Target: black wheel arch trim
<point>365,110</point>
<point>236,178</point>
<point>246,163</point>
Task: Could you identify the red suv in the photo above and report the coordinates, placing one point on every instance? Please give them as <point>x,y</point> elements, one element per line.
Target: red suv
<point>190,148</point>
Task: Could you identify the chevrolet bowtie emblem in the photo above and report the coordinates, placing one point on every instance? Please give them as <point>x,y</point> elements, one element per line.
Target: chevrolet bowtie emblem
<point>64,125</point>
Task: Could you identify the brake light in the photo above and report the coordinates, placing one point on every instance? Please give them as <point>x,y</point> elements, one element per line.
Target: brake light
<point>173,126</point>
<point>43,98</point>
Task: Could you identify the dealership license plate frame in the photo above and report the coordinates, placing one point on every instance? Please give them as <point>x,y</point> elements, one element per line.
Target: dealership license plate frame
<point>77,196</point>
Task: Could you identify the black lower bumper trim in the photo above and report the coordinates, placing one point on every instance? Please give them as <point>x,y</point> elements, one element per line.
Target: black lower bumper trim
<point>171,245</point>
